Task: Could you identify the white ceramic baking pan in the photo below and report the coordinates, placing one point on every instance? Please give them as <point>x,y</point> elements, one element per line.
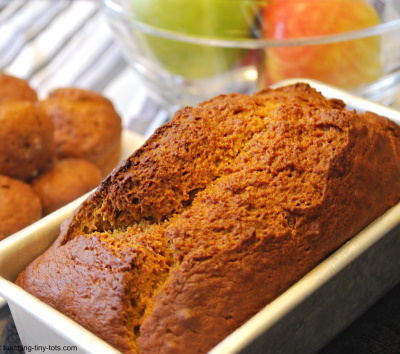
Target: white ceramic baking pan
<point>302,320</point>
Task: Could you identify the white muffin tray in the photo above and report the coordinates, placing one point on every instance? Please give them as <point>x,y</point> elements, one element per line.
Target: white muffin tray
<point>302,320</point>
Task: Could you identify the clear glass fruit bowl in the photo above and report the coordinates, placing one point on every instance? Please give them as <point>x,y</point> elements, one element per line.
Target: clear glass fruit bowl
<point>187,51</point>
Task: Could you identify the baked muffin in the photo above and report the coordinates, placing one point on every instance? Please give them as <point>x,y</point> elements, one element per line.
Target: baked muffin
<point>86,126</point>
<point>26,139</point>
<point>65,181</point>
<point>15,89</point>
<point>19,206</point>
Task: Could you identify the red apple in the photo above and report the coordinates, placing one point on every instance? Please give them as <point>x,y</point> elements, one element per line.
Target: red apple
<point>347,64</point>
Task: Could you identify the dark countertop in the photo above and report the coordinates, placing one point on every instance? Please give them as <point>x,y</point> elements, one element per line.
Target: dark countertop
<point>4,316</point>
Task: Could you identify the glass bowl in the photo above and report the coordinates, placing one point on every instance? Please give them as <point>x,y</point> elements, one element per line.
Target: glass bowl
<point>189,51</point>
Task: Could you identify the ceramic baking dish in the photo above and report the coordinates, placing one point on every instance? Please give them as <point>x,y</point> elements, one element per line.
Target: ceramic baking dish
<point>303,319</point>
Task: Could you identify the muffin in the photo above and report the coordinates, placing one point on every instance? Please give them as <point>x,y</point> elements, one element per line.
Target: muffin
<point>26,139</point>
<point>15,89</point>
<point>65,181</point>
<point>19,206</point>
<point>86,126</point>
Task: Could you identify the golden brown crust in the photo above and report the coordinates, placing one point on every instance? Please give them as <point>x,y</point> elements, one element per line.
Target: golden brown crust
<point>64,181</point>
<point>257,230</point>
<point>231,202</point>
<point>193,149</point>
<point>19,206</point>
<point>86,126</point>
<point>26,140</point>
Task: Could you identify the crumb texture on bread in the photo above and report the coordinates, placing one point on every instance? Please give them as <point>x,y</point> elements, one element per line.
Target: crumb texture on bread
<point>216,215</point>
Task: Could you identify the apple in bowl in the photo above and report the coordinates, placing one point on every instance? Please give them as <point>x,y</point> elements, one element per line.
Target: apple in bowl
<point>343,63</point>
<point>183,44</point>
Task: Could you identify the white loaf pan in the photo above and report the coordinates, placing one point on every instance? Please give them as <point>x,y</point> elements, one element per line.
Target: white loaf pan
<point>302,320</point>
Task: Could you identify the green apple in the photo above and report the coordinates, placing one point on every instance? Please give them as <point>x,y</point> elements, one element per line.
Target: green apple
<point>205,19</point>
<point>347,64</point>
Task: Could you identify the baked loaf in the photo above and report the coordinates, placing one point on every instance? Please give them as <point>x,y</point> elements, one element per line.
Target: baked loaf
<point>86,126</point>
<point>219,212</point>
<point>19,206</point>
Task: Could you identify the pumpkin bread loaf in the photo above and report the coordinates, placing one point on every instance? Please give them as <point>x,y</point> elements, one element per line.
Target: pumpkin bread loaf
<point>222,209</point>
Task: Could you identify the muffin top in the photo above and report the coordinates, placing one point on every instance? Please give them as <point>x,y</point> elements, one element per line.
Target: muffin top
<point>66,180</point>
<point>15,89</point>
<point>86,124</point>
<point>26,139</point>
